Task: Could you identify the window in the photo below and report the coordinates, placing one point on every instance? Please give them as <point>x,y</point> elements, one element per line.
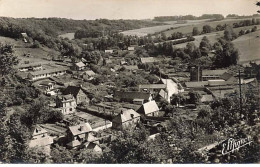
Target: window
<point>70,109</point>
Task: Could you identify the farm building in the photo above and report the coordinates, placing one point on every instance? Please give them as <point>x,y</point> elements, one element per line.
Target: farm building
<point>66,104</point>
<point>46,73</point>
<point>126,119</point>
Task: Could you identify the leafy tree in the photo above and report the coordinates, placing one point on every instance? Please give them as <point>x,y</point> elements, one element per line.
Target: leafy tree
<point>177,99</point>
<point>194,97</point>
<point>35,155</point>
<point>7,59</point>
<point>206,29</point>
<point>60,154</point>
<point>195,31</point>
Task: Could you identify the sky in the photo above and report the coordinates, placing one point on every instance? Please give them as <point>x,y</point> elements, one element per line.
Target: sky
<point>123,9</point>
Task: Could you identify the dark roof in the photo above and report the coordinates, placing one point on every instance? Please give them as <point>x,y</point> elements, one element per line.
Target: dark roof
<point>74,90</point>
<point>196,84</point>
<point>66,97</point>
<point>131,95</point>
<point>213,72</point>
<point>228,77</point>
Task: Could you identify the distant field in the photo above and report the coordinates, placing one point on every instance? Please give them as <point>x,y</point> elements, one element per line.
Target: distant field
<point>248,46</point>
<point>213,36</point>
<point>152,30</point>
<point>68,35</point>
<point>188,29</point>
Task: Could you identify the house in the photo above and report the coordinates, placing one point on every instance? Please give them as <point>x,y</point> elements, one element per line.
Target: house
<point>131,48</point>
<point>79,66</point>
<point>145,60</point>
<point>66,104</point>
<point>109,51</point>
<point>78,93</point>
<point>30,67</point>
<point>130,96</point>
<point>149,109</point>
<point>40,138</point>
<point>123,62</point>
<point>212,74</point>
<point>88,75</point>
<point>78,134</point>
<point>46,73</point>
<point>162,94</point>
<point>48,87</point>
<point>25,37</point>
<point>171,87</point>
<point>126,119</point>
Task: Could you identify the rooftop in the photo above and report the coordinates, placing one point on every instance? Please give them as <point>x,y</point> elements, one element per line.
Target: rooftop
<point>147,60</point>
<point>81,128</point>
<point>213,72</point>
<point>48,71</point>
<point>148,108</point>
<point>126,116</point>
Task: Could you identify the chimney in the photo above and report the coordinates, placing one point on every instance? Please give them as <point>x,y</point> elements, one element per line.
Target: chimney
<point>132,116</point>
<point>81,128</point>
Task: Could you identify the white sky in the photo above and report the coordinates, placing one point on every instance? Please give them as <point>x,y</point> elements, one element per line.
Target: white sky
<point>123,9</point>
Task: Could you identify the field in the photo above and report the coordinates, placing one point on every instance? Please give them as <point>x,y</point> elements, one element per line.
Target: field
<point>248,46</point>
<point>213,36</point>
<point>151,30</point>
<point>68,35</point>
<point>188,28</point>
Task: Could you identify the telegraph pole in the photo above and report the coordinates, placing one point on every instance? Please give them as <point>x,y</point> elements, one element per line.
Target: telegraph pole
<point>240,91</point>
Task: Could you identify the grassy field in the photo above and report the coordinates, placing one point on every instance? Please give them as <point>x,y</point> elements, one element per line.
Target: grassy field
<point>248,46</point>
<point>171,24</point>
<point>213,36</point>
<point>68,35</point>
<point>188,29</point>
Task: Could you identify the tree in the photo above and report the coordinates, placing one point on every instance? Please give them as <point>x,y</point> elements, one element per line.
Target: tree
<point>177,99</point>
<point>194,97</point>
<point>60,154</point>
<point>195,31</point>
<point>7,59</point>
<point>206,29</point>
<point>35,155</point>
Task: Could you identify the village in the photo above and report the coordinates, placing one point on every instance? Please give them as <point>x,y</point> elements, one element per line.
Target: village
<point>117,92</point>
<point>69,87</point>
